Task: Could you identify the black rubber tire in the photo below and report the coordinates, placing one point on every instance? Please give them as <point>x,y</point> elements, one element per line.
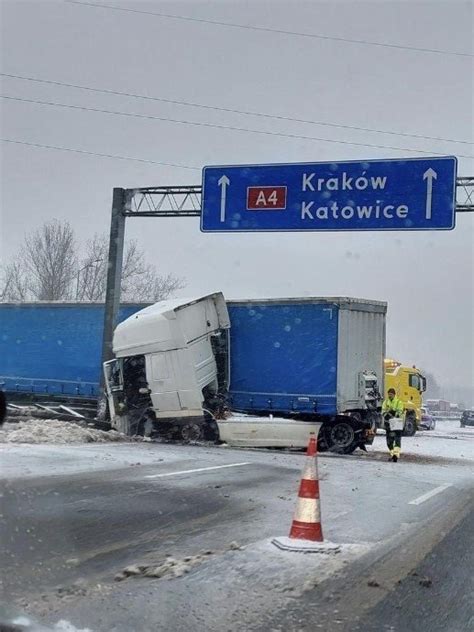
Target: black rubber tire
<point>341,437</point>
<point>410,426</point>
<point>191,432</point>
<point>350,449</point>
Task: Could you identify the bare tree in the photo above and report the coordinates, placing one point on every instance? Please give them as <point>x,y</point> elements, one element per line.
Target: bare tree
<point>140,281</point>
<point>152,287</point>
<point>92,272</point>
<point>47,268</point>
<point>48,261</point>
<point>13,283</point>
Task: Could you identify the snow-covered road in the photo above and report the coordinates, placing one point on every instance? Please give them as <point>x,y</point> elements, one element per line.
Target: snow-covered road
<point>75,515</point>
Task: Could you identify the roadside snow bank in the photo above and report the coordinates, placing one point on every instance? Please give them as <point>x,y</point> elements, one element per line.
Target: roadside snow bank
<point>55,431</point>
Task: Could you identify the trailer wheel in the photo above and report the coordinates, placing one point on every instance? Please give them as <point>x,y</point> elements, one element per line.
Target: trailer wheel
<point>341,437</point>
<point>410,426</point>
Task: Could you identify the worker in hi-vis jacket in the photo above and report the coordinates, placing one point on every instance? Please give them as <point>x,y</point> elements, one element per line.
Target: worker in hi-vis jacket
<point>392,412</point>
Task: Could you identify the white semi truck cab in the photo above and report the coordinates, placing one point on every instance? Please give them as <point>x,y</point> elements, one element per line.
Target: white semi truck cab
<point>171,368</point>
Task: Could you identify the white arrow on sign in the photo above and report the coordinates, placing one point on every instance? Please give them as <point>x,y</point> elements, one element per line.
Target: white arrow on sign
<point>223,182</point>
<point>429,175</point>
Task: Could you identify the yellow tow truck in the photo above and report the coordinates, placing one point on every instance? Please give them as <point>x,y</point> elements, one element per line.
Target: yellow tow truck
<point>409,384</point>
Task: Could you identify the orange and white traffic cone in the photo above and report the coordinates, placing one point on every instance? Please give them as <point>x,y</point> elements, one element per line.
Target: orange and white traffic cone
<point>306,523</point>
<point>306,533</point>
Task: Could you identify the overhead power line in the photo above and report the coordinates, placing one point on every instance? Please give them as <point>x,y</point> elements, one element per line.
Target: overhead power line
<point>100,155</point>
<point>267,29</point>
<point>204,106</point>
<point>218,126</point>
<point>15,141</point>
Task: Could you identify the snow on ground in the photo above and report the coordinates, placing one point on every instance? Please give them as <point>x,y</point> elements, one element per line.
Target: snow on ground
<point>49,448</point>
<point>22,460</point>
<point>55,431</point>
<point>170,567</point>
<point>448,441</point>
<point>11,620</point>
<point>245,579</point>
<point>60,626</point>
<point>243,585</point>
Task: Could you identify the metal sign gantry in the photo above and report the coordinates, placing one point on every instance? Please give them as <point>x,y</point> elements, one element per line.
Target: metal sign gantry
<point>180,201</point>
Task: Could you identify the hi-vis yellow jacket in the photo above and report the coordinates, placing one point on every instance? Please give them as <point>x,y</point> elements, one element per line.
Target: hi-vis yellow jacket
<point>394,406</point>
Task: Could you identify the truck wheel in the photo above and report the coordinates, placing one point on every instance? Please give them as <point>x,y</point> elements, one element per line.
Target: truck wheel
<point>191,432</point>
<point>341,438</point>
<point>410,426</point>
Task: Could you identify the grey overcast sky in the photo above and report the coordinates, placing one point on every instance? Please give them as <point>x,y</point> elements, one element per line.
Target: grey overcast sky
<point>427,278</point>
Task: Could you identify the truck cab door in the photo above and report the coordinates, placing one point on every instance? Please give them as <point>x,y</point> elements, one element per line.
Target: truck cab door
<point>113,376</point>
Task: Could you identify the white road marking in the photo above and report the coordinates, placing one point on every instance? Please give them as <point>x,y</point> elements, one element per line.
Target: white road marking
<point>199,469</point>
<point>428,495</point>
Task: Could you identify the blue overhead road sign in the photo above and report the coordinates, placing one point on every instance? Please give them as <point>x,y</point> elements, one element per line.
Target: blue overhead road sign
<point>408,194</point>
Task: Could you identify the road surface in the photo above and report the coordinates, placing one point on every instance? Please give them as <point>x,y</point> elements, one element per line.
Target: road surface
<point>75,516</point>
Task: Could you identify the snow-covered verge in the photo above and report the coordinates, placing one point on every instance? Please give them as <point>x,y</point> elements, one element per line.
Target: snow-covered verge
<point>55,431</point>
